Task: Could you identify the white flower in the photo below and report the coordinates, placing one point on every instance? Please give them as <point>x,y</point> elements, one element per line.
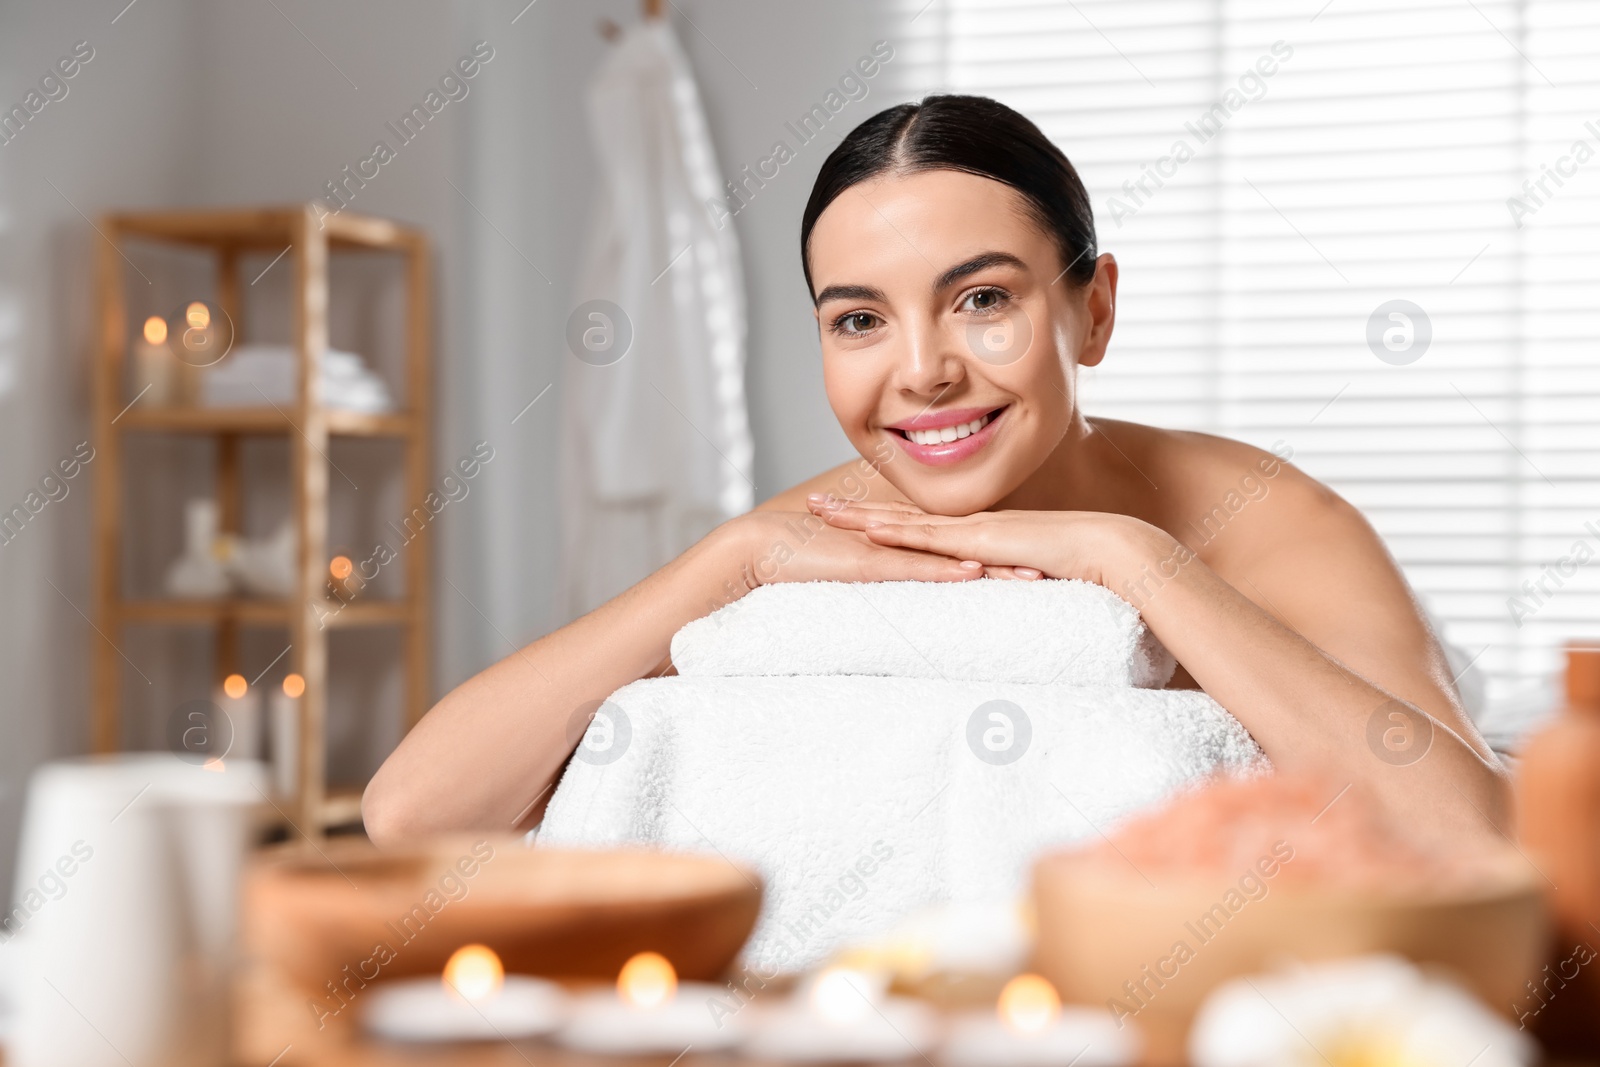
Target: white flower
<point>1375,1011</point>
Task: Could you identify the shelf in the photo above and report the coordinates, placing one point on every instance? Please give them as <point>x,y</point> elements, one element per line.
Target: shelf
<point>263,228</point>
<point>260,612</point>
<point>341,807</point>
<point>310,240</point>
<point>259,420</point>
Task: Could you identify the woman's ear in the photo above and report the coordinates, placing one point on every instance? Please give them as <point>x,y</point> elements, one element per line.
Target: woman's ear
<point>1100,304</point>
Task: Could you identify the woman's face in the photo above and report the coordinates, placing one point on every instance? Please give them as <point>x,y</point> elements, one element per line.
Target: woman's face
<point>951,332</point>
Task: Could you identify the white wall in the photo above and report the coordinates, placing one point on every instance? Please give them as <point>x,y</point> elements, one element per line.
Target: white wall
<point>119,138</point>
<point>225,102</point>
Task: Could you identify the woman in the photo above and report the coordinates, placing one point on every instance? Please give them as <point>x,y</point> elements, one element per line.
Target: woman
<point>950,251</point>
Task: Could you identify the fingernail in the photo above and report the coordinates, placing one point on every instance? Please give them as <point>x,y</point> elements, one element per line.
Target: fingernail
<point>971,564</point>
<point>1029,572</point>
<point>817,498</point>
<point>875,524</point>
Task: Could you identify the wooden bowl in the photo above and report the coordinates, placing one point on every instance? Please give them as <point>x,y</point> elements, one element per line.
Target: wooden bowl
<point>571,914</point>
<point>320,923</point>
<point>1110,938</point>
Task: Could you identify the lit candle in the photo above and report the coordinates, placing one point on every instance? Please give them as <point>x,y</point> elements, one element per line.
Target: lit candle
<point>841,1016</point>
<point>475,1000</point>
<point>341,578</point>
<point>284,727</point>
<point>154,367</point>
<point>650,1013</point>
<point>241,709</point>
<point>1029,1028</point>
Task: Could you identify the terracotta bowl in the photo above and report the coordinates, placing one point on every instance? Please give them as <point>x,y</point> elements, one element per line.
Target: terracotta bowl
<point>320,924</point>
<point>574,914</point>
<point>1109,938</point>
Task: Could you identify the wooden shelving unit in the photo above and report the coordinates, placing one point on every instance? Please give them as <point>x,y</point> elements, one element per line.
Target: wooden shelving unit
<point>308,425</point>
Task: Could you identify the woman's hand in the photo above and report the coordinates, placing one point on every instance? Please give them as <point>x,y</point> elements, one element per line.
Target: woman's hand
<point>1089,545</point>
<point>790,546</point>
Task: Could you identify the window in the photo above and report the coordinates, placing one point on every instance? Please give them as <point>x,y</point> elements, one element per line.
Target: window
<point>1273,178</point>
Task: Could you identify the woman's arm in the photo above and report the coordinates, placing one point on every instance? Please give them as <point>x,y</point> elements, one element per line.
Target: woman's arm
<point>1312,637</point>
<point>1324,657</point>
<point>487,755</point>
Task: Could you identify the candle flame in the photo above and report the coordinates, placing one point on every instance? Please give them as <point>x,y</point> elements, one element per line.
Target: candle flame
<point>155,330</point>
<point>198,315</point>
<point>474,973</point>
<point>234,685</point>
<point>1028,1004</point>
<point>842,994</point>
<point>647,980</point>
<point>213,764</point>
<point>340,567</point>
<point>294,686</point>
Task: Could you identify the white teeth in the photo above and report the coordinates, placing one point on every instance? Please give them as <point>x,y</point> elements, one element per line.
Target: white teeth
<point>948,433</point>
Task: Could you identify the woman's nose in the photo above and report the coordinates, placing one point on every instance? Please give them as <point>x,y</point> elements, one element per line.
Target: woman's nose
<point>929,363</point>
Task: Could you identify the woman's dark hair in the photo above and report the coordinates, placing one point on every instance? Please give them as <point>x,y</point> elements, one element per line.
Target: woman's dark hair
<point>972,134</point>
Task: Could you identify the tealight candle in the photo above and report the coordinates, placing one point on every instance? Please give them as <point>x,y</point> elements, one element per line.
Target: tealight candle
<point>843,1016</point>
<point>1029,1028</point>
<point>649,1013</point>
<point>474,1000</point>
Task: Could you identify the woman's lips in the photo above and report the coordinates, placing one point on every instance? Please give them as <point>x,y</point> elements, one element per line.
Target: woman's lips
<point>945,453</point>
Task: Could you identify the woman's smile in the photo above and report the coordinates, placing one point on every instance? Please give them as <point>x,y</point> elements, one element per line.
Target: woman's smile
<point>941,438</point>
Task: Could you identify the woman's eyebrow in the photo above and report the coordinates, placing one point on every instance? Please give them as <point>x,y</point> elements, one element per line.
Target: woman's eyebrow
<point>974,265</point>
<point>850,292</point>
<point>982,261</point>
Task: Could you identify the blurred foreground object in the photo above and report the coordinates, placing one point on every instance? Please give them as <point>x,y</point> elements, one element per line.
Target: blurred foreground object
<point>1241,874</point>
<point>323,927</point>
<point>123,938</point>
<point>1558,820</point>
<point>1028,1027</point>
<point>474,1000</point>
<point>1377,1010</point>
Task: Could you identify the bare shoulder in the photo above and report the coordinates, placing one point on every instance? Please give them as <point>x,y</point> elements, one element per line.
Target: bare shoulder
<point>1229,500</point>
<point>856,479</point>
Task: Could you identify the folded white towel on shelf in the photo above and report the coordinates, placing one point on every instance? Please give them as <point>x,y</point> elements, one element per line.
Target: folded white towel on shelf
<point>1047,632</point>
<point>255,374</point>
<point>862,795</point>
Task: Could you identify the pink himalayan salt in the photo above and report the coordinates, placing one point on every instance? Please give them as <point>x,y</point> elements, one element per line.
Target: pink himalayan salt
<point>1341,839</point>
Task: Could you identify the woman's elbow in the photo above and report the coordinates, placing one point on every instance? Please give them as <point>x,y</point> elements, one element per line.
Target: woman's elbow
<point>390,813</point>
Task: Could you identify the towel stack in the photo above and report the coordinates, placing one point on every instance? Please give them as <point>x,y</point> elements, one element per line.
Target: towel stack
<point>256,374</point>
<point>877,748</point>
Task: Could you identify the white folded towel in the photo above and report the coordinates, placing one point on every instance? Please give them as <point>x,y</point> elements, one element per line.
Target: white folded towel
<point>254,374</point>
<point>1065,633</point>
<point>861,798</point>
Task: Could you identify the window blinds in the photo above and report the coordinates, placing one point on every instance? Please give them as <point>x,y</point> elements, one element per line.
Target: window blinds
<point>1273,178</point>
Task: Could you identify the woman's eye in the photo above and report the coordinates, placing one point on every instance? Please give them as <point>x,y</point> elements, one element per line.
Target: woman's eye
<point>856,322</point>
<point>984,300</point>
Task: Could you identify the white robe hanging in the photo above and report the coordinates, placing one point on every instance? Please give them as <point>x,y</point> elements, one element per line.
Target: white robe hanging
<point>656,446</point>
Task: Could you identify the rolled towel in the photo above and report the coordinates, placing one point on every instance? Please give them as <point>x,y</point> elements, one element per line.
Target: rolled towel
<point>1043,632</point>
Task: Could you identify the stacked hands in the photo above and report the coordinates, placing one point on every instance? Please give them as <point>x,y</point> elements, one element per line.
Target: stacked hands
<point>868,541</point>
